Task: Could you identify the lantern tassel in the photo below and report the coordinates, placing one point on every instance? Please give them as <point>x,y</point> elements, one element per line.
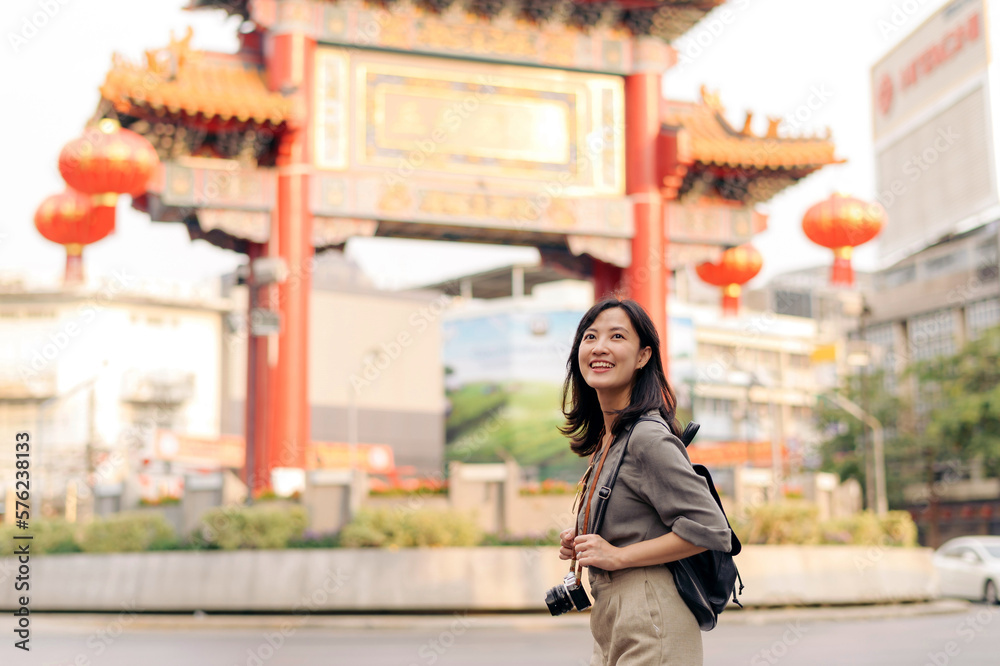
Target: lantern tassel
<point>731,300</point>
<point>74,265</point>
<point>842,273</point>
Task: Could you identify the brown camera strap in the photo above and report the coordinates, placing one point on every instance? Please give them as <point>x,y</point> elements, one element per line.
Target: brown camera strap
<point>574,567</point>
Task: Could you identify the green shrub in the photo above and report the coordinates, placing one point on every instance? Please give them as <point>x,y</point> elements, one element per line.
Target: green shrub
<point>55,536</point>
<point>783,523</point>
<point>899,528</point>
<point>796,523</point>
<point>403,528</point>
<point>896,528</point>
<point>127,533</point>
<point>48,536</point>
<point>258,526</point>
<point>311,539</point>
<point>550,538</point>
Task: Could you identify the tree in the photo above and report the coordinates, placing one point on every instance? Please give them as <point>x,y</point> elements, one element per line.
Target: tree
<point>845,449</point>
<point>939,415</point>
<point>959,419</point>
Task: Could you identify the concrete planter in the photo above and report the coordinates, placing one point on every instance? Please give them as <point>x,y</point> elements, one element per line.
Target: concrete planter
<point>428,579</point>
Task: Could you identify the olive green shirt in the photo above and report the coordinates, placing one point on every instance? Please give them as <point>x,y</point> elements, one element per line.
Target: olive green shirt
<point>657,492</point>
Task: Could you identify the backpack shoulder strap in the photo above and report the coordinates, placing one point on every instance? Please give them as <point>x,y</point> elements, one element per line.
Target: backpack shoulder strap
<point>604,492</point>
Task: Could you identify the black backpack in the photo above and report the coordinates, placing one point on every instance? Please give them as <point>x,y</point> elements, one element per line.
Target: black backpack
<point>704,581</point>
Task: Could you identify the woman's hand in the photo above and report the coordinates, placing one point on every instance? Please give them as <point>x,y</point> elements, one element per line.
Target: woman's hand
<point>593,551</point>
<point>566,544</point>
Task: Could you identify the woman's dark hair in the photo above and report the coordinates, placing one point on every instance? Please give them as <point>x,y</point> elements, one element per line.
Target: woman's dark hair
<point>650,389</point>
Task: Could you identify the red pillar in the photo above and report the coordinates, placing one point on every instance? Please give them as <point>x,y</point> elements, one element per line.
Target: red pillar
<point>607,279</point>
<point>290,67</point>
<point>257,474</point>
<point>646,277</point>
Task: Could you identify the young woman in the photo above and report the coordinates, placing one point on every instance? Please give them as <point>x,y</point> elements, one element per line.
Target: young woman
<point>659,510</point>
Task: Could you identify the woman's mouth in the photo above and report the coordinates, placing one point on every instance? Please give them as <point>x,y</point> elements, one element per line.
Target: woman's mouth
<point>601,366</point>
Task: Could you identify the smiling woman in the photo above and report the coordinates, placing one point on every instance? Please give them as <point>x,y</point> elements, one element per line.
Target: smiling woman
<point>658,510</point>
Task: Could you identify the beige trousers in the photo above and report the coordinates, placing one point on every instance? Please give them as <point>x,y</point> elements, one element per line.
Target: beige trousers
<point>638,619</point>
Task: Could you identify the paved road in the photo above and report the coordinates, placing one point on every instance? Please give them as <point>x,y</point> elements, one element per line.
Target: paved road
<point>967,638</point>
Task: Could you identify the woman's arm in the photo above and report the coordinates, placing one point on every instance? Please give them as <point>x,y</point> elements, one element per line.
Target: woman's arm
<point>593,550</point>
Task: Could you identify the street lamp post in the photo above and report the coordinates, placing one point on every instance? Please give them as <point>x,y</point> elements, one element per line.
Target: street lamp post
<point>881,501</point>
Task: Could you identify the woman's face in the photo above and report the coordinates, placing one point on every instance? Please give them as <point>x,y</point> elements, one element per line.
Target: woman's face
<point>609,351</point>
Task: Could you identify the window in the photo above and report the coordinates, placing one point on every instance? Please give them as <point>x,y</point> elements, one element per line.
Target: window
<point>794,303</point>
<point>880,334</point>
<point>931,335</point>
<point>798,361</point>
<point>968,555</point>
<point>942,265</point>
<point>714,406</point>
<point>981,315</point>
<point>899,276</point>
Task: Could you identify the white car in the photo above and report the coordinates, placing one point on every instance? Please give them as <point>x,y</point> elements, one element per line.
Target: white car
<point>969,567</point>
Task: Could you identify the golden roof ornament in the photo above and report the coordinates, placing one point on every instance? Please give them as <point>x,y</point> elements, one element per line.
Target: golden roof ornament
<point>773,122</point>
<point>711,99</point>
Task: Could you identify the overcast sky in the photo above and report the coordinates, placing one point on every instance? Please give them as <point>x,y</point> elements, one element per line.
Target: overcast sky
<point>773,57</point>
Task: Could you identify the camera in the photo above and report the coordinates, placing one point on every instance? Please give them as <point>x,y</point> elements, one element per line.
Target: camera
<point>565,597</point>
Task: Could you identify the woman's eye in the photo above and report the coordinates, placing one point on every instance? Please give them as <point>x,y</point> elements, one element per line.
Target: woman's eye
<point>618,335</point>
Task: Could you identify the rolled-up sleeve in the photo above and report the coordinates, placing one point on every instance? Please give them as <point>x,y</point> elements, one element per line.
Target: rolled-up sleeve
<point>680,496</point>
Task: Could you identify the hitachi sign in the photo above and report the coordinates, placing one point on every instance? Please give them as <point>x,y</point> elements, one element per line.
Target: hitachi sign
<point>941,52</point>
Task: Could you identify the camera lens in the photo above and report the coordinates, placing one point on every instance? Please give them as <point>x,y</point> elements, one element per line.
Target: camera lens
<point>558,601</point>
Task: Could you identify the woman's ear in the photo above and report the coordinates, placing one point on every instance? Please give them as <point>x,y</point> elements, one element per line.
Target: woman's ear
<point>644,355</point>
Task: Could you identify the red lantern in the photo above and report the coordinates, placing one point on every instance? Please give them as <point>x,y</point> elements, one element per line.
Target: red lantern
<point>68,219</point>
<point>738,266</point>
<point>107,161</point>
<point>842,223</point>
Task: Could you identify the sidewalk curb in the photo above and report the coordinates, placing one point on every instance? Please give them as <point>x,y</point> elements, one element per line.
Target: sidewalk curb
<point>759,616</point>
<point>89,622</point>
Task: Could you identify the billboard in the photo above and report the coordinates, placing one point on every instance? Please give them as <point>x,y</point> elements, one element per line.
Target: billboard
<point>933,136</point>
<point>503,381</point>
<point>938,57</point>
<point>504,372</point>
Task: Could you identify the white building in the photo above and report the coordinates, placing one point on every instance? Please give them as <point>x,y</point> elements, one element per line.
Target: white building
<point>126,390</point>
<point>92,373</point>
